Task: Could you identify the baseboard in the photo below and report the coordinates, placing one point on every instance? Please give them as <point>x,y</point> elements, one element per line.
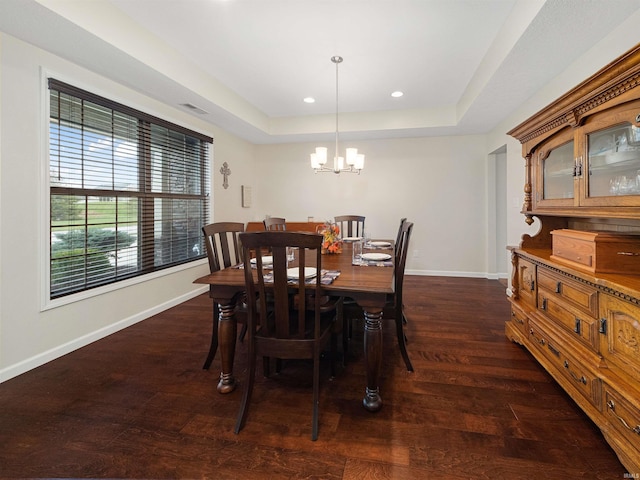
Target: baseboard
<point>446,273</point>
<point>45,357</point>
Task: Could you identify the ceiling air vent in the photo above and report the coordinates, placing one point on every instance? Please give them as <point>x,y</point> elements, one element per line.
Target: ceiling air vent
<point>193,108</point>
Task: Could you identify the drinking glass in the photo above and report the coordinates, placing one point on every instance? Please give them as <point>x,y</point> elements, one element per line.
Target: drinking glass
<point>356,252</point>
<point>367,238</point>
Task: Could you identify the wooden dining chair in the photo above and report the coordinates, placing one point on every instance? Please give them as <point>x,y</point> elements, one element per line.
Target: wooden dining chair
<point>223,250</point>
<point>396,247</point>
<point>399,234</point>
<point>352,311</point>
<point>275,223</point>
<point>395,308</point>
<point>350,225</point>
<point>282,328</point>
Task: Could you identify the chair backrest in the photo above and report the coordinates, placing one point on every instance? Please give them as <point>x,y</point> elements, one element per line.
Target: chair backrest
<point>350,225</point>
<point>397,245</point>
<point>401,260</point>
<point>221,242</point>
<point>276,293</point>
<point>275,223</point>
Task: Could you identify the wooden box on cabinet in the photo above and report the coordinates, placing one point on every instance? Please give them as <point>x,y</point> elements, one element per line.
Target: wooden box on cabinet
<point>597,252</point>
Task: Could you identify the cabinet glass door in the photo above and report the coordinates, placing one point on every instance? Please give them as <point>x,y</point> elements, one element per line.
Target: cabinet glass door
<point>614,161</point>
<point>610,144</point>
<point>554,167</point>
<point>558,173</point>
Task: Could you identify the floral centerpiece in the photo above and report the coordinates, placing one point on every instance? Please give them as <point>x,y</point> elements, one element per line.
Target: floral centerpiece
<point>331,242</point>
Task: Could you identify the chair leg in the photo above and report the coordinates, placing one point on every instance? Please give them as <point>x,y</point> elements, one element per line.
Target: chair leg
<point>248,390</point>
<point>266,367</point>
<point>401,340</point>
<point>346,333</point>
<point>213,348</point>
<point>404,323</point>
<point>340,327</point>
<point>334,347</point>
<point>316,395</point>
<point>243,332</point>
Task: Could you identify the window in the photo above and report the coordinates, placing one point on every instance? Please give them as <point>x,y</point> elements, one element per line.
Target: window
<point>129,192</point>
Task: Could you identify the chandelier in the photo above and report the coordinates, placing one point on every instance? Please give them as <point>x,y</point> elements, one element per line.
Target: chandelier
<point>354,160</point>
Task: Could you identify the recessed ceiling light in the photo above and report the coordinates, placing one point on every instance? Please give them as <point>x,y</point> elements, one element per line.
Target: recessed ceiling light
<point>397,94</point>
<point>309,100</point>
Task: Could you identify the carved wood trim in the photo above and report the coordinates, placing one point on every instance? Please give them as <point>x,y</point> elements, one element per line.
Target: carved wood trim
<point>611,82</point>
<point>564,273</point>
<point>542,238</point>
<point>527,206</point>
<point>515,278</point>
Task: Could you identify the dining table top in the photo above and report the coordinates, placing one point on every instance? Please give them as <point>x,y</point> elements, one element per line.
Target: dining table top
<point>353,279</point>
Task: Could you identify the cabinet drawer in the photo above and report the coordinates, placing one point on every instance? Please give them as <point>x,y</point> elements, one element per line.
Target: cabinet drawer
<point>519,319</point>
<point>571,372</point>
<point>623,415</point>
<point>620,335</point>
<point>577,323</point>
<point>578,295</point>
<point>526,278</point>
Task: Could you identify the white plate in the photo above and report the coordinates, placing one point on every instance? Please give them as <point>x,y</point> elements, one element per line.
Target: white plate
<point>376,257</point>
<point>352,239</point>
<point>380,244</point>
<point>309,272</point>
<point>265,260</point>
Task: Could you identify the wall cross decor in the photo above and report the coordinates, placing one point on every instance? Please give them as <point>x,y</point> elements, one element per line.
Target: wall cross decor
<point>225,171</point>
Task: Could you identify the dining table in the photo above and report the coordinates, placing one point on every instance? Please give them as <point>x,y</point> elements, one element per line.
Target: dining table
<point>370,285</point>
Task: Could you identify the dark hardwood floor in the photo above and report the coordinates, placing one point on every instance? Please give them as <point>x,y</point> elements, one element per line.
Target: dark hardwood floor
<point>138,405</point>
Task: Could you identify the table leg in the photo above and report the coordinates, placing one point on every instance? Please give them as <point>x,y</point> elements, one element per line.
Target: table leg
<point>227,330</point>
<point>372,357</point>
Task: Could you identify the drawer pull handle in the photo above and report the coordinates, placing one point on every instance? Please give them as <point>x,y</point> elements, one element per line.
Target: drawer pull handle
<point>539,340</point>
<point>580,379</point>
<point>603,326</point>
<point>517,319</point>
<point>544,304</point>
<point>559,287</point>
<point>612,407</point>
<point>577,326</point>
<point>553,350</point>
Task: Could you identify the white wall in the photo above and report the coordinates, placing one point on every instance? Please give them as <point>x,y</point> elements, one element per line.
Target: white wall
<point>496,213</point>
<point>438,183</point>
<point>30,336</point>
<point>238,155</point>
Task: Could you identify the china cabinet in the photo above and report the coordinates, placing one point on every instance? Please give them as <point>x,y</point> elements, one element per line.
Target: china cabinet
<point>595,164</point>
<point>575,287</point>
